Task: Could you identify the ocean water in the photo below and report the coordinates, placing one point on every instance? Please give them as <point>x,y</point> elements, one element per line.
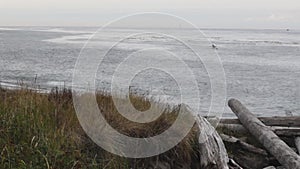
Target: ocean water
<point>262,67</point>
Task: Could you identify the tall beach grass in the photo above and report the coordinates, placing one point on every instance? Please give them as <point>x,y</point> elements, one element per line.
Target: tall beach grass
<point>41,130</point>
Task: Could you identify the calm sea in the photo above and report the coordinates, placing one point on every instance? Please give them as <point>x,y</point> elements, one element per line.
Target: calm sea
<point>262,67</point>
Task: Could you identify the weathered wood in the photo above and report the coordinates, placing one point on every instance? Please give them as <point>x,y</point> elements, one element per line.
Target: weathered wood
<point>297,143</point>
<point>281,121</point>
<point>233,165</point>
<point>211,147</point>
<point>293,121</point>
<point>297,139</point>
<point>282,152</point>
<point>244,154</point>
<point>287,134</point>
<point>241,130</point>
<point>270,167</point>
<point>232,129</point>
<point>280,167</point>
<point>286,131</point>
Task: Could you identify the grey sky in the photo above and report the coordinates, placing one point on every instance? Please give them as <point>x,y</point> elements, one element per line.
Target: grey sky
<point>203,13</point>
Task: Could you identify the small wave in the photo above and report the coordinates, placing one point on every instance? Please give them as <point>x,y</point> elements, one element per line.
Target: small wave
<point>259,42</point>
<point>9,85</point>
<point>271,42</point>
<point>15,86</point>
<point>10,29</point>
<point>59,30</point>
<point>150,38</point>
<point>77,39</point>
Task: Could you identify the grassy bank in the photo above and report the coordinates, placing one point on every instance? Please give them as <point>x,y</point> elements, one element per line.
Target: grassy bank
<point>40,130</point>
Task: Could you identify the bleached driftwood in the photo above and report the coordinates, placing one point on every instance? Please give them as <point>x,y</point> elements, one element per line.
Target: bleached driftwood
<point>297,143</point>
<point>212,149</point>
<point>297,139</point>
<point>233,165</point>
<point>270,167</point>
<point>282,152</point>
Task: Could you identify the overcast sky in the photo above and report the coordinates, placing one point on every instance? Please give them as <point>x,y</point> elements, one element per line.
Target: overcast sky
<point>271,14</point>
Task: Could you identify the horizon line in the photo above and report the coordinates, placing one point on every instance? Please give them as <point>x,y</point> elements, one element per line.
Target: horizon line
<point>94,26</point>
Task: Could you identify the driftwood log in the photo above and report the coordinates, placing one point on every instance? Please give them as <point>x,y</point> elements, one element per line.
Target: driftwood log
<point>212,149</point>
<point>247,155</point>
<point>297,139</point>
<point>239,129</point>
<point>235,136</point>
<point>279,149</point>
<point>297,143</point>
<point>291,121</point>
<point>270,167</point>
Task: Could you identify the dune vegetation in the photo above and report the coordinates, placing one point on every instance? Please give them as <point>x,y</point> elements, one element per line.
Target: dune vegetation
<point>41,130</point>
